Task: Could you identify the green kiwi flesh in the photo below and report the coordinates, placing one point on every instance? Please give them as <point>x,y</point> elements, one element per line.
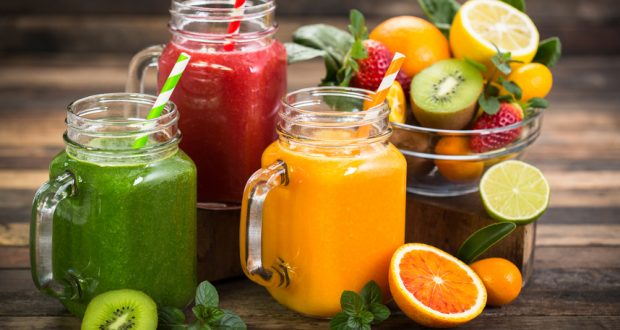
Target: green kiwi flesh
<point>121,310</point>
<point>445,94</point>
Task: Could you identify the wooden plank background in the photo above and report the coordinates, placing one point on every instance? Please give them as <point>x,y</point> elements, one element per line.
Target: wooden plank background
<point>54,52</point>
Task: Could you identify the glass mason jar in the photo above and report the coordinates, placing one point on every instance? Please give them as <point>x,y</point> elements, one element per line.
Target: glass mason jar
<point>230,91</point>
<point>112,216</point>
<point>328,187</point>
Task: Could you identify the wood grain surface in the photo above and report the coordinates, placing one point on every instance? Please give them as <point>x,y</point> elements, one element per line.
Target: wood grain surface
<point>576,281</point>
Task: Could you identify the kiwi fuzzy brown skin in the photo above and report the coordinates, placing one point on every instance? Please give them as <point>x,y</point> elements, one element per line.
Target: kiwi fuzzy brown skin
<point>414,141</point>
<point>453,120</point>
<point>125,309</point>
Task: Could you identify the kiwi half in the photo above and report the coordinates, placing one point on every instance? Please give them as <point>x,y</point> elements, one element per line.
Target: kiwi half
<point>121,309</point>
<point>445,94</point>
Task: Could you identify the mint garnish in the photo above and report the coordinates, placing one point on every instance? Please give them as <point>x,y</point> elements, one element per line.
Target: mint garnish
<point>208,314</point>
<point>360,311</point>
<point>340,49</point>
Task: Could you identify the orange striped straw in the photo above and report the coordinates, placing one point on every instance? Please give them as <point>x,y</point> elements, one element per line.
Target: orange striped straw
<point>233,27</point>
<point>388,80</point>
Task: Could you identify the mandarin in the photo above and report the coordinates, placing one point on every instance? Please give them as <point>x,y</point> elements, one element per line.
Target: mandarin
<point>501,278</point>
<point>418,39</point>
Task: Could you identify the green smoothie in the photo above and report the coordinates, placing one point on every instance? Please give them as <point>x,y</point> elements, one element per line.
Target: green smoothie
<point>127,226</point>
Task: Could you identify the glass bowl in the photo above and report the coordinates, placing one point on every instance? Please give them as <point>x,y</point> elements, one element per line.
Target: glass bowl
<point>442,163</point>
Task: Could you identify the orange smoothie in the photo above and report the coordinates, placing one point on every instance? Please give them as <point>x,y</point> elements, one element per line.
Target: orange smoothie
<point>336,224</point>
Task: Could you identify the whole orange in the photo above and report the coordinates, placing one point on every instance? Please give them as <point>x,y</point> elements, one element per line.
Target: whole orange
<point>457,170</point>
<point>418,39</point>
<point>501,278</point>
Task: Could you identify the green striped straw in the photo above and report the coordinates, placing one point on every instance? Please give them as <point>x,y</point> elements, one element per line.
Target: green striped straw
<point>164,94</point>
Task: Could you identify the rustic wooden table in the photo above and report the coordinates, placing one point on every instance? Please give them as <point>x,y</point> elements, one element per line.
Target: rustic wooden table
<point>576,281</point>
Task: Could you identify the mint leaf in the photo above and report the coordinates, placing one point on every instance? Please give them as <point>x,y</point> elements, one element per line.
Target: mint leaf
<point>298,53</point>
<point>358,323</point>
<point>359,311</point>
<point>479,66</point>
<point>512,88</point>
<point>365,317</point>
<point>339,322</point>
<point>500,62</point>
<point>379,311</point>
<point>208,314</point>
<point>371,293</point>
<point>482,240</point>
<point>334,41</point>
<point>351,303</point>
<point>170,318</point>
<point>537,103</point>
<point>492,90</point>
<point>549,52</point>
<point>230,321</point>
<point>206,294</point>
<point>331,70</point>
<point>358,28</point>
<point>197,325</point>
<point>519,4</point>
<point>490,105</point>
<point>440,12</point>
<point>357,51</point>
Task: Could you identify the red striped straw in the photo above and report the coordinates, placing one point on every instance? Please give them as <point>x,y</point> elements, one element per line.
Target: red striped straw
<point>233,27</point>
<point>388,80</point>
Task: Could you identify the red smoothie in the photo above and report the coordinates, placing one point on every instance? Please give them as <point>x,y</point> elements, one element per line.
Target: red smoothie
<point>228,101</point>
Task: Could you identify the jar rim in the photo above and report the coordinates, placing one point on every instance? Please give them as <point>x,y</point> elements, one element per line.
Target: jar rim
<point>303,115</point>
<point>185,15</point>
<point>170,112</point>
<point>363,94</point>
<point>250,10</point>
<point>120,119</point>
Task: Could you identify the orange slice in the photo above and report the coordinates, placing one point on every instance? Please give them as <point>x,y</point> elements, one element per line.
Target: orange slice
<point>434,288</point>
<point>397,103</point>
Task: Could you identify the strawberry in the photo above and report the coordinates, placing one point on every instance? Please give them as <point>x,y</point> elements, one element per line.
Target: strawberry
<point>508,114</point>
<point>373,68</point>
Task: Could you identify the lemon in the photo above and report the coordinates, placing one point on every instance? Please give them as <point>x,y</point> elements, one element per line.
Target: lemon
<point>481,25</point>
<point>514,191</point>
<point>397,103</point>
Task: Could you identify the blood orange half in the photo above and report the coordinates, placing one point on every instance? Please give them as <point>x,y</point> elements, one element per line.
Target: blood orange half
<point>434,288</point>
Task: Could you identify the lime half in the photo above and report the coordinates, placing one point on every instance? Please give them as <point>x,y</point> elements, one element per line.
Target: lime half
<point>514,191</point>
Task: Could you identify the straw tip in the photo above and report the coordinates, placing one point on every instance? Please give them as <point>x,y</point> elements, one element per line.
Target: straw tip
<point>398,55</point>
<point>184,56</point>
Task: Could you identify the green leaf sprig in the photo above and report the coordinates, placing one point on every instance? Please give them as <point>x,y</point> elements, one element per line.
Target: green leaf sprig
<point>358,30</point>
<point>489,100</point>
<point>208,314</point>
<point>360,311</point>
<point>441,13</point>
<point>340,49</point>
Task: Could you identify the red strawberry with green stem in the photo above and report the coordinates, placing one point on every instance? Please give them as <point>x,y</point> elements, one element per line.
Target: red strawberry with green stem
<point>508,114</point>
<point>373,67</point>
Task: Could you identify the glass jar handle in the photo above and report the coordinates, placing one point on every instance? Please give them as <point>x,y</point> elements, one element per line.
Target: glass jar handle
<point>49,195</point>
<point>144,59</point>
<point>256,190</point>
